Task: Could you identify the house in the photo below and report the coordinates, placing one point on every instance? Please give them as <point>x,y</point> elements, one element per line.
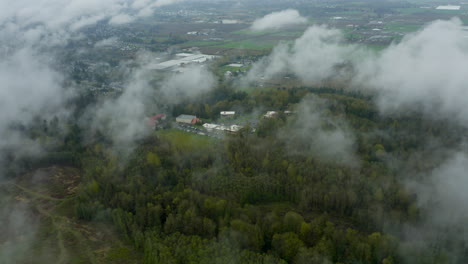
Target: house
<point>187,119</point>
<point>270,114</point>
<point>228,114</point>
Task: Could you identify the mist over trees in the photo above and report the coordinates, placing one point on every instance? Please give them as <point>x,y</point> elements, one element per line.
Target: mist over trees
<point>363,161</point>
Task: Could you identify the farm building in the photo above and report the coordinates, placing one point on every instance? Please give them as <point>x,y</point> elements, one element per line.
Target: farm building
<point>187,119</point>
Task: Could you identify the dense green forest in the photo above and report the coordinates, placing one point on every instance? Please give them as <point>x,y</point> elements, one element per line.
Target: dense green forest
<point>246,198</point>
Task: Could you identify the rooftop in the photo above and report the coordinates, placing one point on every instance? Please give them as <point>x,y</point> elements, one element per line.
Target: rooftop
<point>236,65</point>
<point>448,7</point>
<point>183,58</point>
<point>186,117</point>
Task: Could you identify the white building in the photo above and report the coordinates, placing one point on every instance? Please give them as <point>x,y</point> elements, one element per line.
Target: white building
<point>183,59</point>
<point>448,7</point>
<point>236,65</point>
<point>228,113</point>
<point>210,127</point>
<point>222,128</point>
<point>270,114</point>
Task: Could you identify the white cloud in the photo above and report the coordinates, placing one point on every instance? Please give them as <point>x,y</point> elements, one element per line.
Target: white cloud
<point>427,70</point>
<point>313,57</point>
<point>29,86</point>
<point>106,42</point>
<point>191,82</point>
<point>52,18</point>
<point>121,19</point>
<point>278,20</point>
<point>314,132</point>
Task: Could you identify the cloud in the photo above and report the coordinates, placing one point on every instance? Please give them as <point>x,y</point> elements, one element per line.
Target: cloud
<point>442,197</point>
<point>33,88</point>
<point>31,32</point>
<point>314,57</point>
<point>122,118</point>
<point>43,21</point>
<point>314,132</point>
<point>30,88</point>
<point>443,191</point>
<point>19,227</point>
<point>277,20</point>
<point>190,82</point>
<point>427,71</point>
<point>121,19</point>
<point>146,8</point>
<point>106,42</point>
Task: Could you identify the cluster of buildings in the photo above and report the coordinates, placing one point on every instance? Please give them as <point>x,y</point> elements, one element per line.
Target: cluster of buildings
<point>186,122</point>
<point>222,128</point>
<point>192,120</point>
<point>211,128</point>
<point>273,114</point>
<point>182,60</point>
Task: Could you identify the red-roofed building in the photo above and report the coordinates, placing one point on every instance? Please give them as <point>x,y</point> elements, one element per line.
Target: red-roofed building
<point>155,120</point>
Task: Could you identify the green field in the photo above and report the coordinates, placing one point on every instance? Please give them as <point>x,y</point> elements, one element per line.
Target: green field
<point>184,141</point>
<point>249,32</point>
<point>249,44</point>
<point>202,43</point>
<point>402,27</point>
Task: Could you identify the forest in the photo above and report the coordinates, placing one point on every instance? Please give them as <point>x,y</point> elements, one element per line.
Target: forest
<point>267,196</point>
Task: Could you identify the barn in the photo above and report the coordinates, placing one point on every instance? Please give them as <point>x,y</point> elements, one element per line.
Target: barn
<point>187,119</point>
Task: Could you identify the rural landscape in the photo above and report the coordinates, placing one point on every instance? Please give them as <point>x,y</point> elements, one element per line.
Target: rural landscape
<point>237,132</point>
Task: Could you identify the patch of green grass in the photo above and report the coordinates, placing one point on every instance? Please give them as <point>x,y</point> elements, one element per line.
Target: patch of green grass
<point>402,27</point>
<point>234,69</point>
<point>248,44</point>
<point>184,141</point>
<point>453,12</point>
<point>376,47</point>
<point>66,208</point>
<point>250,32</point>
<point>119,255</point>
<point>413,10</point>
<point>161,39</point>
<point>202,43</point>
<point>294,34</point>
